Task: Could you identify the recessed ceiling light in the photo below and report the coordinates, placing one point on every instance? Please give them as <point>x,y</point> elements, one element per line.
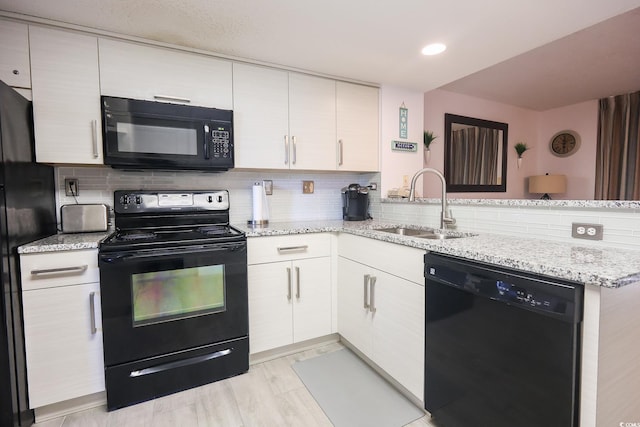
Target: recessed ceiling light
<point>433,49</point>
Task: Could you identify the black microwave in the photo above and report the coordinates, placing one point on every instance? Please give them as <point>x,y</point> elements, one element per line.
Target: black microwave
<point>140,134</point>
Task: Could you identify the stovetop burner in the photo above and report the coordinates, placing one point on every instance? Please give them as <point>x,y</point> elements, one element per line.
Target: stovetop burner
<point>151,219</point>
<point>136,235</point>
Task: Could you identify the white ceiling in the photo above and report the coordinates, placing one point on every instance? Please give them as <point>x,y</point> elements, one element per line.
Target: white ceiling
<point>367,40</point>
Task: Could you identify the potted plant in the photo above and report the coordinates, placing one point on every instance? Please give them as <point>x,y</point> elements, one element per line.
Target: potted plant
<point>520,148</point>
<point>428,138</point>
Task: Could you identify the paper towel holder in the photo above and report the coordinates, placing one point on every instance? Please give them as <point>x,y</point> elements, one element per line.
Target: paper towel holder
<point>260,219</point>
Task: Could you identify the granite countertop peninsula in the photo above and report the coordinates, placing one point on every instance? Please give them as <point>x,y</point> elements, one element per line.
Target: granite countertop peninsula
<point>64,242</point>
<point>593,204</point>
<point>607,267</point>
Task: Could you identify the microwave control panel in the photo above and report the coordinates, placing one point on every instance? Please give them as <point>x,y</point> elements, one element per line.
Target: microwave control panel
<point>221,143</point>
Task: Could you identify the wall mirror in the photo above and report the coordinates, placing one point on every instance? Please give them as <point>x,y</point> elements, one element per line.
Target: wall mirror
<point>475,157</point>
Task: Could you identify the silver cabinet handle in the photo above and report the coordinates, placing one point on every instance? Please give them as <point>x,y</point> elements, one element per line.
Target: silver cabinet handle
<point>295,155</point>
<point>293,248</point>
<point>340,153</point>
<point>286,149</point>
<point>372,304</point>
<point>172,98</point>
<point>297,282</point>
<point>94,133</point>
<point>78,269</point>
<point>366,291</point>
<point>92,309</point>
<point>289,284</point>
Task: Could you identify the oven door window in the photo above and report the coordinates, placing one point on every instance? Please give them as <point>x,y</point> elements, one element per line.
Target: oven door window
<point>162,296</point>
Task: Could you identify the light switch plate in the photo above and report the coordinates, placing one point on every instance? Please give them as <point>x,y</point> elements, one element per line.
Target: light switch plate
<point>268,187</point>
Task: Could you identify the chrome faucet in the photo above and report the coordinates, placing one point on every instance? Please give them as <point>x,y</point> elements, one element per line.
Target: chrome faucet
<point>445,215</point>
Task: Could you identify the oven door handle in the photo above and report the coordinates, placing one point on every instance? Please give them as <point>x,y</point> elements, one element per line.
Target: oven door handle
<point>114,257</point>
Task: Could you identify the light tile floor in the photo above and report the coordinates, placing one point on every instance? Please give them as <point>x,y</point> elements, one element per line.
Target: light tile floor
<point>270,394</point>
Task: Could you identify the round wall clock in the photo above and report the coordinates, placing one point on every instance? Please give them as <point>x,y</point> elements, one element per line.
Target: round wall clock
<point>564,143</point>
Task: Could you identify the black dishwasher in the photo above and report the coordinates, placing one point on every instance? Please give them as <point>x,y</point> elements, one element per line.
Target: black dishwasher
<point>501,348</point>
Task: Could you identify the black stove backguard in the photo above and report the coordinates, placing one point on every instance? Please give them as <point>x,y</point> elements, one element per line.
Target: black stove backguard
<point>175,300</point>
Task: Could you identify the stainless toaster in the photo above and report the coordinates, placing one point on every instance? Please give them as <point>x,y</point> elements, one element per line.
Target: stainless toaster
<point>84,218</point>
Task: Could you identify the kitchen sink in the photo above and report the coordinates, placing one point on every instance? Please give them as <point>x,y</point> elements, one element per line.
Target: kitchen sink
<point>423,233</point>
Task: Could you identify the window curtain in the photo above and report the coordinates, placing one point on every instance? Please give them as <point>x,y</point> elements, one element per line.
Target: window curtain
<point>618,148</point>
<point>474,156</point>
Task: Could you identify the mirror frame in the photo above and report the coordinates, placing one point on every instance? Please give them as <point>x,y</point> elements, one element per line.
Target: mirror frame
<point>449,119</point>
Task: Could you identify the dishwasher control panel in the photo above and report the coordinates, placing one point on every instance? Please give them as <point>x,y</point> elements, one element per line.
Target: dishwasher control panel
<point>556,298</point>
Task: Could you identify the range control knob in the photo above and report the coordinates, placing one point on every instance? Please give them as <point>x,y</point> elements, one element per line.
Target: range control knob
<point>219,199</point>
<point>210,199</point>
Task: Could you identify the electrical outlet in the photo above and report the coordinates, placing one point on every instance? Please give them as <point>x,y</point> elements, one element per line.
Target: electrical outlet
<point>373,186</point>
<point>71,187</point>
<point>586,231</point>
<point>307,187</point>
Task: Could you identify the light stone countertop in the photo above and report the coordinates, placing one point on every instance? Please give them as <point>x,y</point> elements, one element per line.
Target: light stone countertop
<point>574,204</point>
<point>607,267</point>
<point>64,242</point>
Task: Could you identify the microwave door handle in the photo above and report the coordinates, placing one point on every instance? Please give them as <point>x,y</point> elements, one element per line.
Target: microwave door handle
<point>206,142</point>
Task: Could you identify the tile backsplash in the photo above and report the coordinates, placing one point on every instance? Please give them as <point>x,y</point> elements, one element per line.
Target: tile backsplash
<point>97,184</point>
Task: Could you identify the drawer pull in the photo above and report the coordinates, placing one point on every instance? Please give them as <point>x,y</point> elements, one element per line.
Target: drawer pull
<point>92,308</point>
<point>61,270</point>
<point>293,248</point>
<point>171,98</point>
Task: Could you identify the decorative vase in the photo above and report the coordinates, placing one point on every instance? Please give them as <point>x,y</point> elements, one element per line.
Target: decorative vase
<point>519,162</point>
<point>427,155</point>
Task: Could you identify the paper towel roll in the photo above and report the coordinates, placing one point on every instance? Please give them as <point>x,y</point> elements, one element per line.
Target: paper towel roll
<point>260,210</point>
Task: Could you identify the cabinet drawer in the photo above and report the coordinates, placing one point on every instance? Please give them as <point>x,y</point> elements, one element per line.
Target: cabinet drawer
<point>282,248</point>
<point>399,260</point>
<point>51,269</point>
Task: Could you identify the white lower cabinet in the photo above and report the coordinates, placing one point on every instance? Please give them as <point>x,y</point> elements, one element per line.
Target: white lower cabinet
<point>62,326</point>
<point>382,313</point>
<point>289,290</point>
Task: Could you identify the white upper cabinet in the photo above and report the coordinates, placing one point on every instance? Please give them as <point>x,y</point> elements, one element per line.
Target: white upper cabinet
<point>287,120</point>
<point>14,54</point>
<point>312,122</point>
<point>357,115</point>
<point>260,117</point>
<point>283,120</point>
<point>66,96</point>
<point>131,70</point>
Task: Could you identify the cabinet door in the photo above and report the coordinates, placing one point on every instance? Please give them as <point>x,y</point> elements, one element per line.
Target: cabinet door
<point>130,70</point>
<point>312,122</point>
<point>260,117</point>
<point>357,127</point>
<point>64,355</point>
<point>270,306</point>
<point>66,96</point>
<point>398,330</point>
<point>312,298</point>
<point>14,54</point>
<point>354,321</point>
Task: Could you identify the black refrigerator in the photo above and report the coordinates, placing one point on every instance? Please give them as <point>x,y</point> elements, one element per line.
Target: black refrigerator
<point>27,213</point>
